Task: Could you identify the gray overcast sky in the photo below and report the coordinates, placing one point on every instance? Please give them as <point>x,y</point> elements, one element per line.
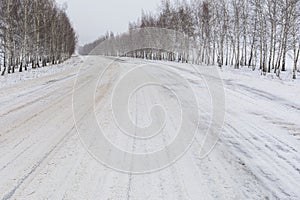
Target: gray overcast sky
<point>92,18</point>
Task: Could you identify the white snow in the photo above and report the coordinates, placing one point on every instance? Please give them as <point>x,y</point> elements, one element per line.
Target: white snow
<point>17,77</point>
<point>42,157</point>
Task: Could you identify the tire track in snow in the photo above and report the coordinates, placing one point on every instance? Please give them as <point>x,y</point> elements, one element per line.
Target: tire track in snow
<point>255,148</point>
<point>47,155</point>
<point>130,176</point>
<point>38,164</point>
<point>62,98</point>
<point>33,101</point>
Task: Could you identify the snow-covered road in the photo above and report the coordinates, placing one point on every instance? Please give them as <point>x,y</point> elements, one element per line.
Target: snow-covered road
<point>42,156</point>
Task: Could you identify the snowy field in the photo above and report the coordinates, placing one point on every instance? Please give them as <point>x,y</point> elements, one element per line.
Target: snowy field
<point>257,155</point>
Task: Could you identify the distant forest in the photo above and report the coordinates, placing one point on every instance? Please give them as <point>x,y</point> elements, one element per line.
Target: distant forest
<point>33,33</point>
<point>259,34</point>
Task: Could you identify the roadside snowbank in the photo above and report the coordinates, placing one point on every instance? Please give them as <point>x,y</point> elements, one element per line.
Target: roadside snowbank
<point>9,80</point>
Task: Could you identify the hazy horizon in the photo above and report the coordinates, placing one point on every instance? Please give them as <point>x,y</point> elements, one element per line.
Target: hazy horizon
<point>93,18</point>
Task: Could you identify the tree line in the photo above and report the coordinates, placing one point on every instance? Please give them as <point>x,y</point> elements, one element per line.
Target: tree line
<point>33,33</point>
<point>86,49</point>
<point>254,33</point>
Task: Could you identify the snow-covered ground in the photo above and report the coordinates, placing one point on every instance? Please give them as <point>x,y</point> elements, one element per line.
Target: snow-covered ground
<point>42,156</point>
<point>12,79</point>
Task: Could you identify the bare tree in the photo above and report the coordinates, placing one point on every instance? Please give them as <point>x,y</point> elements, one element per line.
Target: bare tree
<point>34,31</point>
<point>254,33</point>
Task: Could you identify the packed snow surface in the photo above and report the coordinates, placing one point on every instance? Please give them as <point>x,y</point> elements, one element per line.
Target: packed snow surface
<point>257,155</point>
